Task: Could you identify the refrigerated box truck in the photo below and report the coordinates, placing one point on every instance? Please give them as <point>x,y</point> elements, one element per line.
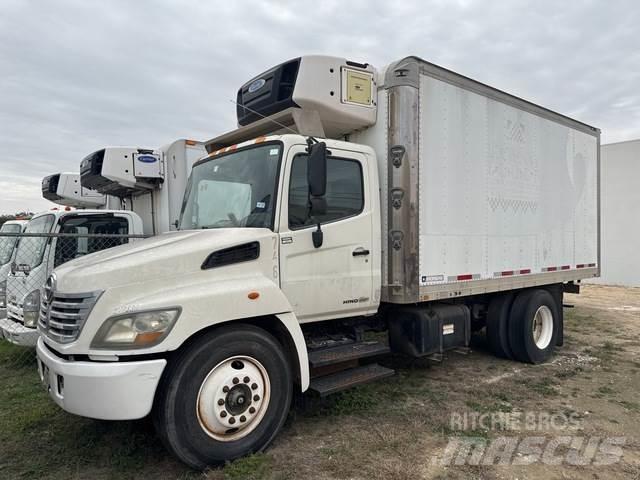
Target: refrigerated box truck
<point>409,200</point>
<point>149,181</point>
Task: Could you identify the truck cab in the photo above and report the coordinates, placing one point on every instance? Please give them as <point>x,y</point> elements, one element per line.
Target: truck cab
<point>7,255</point>
<point>37,256</point>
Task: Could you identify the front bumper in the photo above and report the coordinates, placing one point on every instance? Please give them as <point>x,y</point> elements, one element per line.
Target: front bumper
<point>17,333</point>
<point>102,390</point>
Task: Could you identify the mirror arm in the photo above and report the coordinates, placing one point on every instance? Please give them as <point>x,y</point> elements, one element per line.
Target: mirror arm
<point>317,236</point>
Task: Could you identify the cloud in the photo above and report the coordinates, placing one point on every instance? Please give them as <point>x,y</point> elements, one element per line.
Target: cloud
<point>81,75</point>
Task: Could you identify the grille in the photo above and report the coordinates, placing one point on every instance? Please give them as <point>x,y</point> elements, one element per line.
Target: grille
<point>62,318</point>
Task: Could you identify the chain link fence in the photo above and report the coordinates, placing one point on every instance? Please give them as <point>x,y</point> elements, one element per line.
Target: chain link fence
<point>26,262</point>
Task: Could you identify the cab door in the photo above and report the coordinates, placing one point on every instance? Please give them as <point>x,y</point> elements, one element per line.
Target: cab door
<point>334,280</point>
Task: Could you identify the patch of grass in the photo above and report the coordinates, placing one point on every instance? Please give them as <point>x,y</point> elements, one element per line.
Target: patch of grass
<point>572,372</point>
<point>545,387</point>
<point>609,347</point>
<point>39,440</point>
<point>632,406</point>
<point>254,467</point>
<point>488,408</point>
<point>603,391</point>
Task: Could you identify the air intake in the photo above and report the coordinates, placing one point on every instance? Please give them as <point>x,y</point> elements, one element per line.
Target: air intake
<point>231,255</point>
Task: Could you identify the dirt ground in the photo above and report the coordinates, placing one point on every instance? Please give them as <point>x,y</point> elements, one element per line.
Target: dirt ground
<point>577,416</point>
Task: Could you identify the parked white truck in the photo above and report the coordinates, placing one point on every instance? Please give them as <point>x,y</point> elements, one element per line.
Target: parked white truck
<point>36,257</point>
<point>410,200</point>
<point>7,254</point>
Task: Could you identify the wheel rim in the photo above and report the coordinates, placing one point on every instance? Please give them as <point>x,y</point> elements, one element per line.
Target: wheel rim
<point>542,327</point>
<point>233,398</point>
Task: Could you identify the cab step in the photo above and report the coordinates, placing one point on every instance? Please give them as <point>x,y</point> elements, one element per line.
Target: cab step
<point>346,353</point>
<point>336,382</point>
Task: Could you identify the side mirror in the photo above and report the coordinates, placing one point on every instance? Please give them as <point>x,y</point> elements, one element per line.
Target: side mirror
<point>317,169</point>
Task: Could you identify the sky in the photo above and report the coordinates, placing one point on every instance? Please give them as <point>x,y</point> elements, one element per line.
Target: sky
<point>78,75</point>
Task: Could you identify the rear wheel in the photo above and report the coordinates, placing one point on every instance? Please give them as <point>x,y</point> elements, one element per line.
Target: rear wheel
<point>533,326</point>
<point>498,324</point>
<point>227,395</point>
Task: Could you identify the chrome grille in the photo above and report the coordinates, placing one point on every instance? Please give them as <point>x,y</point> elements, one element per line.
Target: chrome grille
<point>62,315</point>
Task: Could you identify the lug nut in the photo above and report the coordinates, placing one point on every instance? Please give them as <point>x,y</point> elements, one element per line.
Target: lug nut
<point>225,389</point>
<point>256,398</point>
<point>243,418</point>
<point>235,380</point>
<point>252,410</point>
<point>221,402</point>
<point>223,413</point>
<point>254,386</point>
<point>246,379</point>
<point>232,420</point>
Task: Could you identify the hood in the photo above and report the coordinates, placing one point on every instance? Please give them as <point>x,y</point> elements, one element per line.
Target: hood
<point>166,255</point>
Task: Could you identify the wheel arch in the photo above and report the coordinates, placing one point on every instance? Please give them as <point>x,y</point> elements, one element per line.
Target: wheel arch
<point>286,330</point>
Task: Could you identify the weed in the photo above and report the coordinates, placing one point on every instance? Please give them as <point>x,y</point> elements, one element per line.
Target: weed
<point>254,467</point>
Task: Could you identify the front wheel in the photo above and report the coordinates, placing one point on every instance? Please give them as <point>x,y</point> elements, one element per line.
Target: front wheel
<point>227,395</point>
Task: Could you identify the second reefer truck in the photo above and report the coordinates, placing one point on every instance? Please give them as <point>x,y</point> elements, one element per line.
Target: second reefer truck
<point>410,200</point>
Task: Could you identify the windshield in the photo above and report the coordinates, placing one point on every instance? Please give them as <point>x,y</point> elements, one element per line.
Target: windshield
<point>7,243</point>
<point>234,190</point>
<point>31,249</point>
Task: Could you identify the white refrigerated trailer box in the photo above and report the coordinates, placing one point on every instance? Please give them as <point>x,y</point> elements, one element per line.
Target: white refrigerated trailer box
<point>503,193</point>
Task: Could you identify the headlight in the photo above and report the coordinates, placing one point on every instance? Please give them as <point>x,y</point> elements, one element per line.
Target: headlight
<point>3,294</point>
<point>135,330</point>
<point>31,309</point>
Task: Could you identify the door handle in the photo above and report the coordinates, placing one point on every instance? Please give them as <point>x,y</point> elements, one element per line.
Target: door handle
<point>360,252</point>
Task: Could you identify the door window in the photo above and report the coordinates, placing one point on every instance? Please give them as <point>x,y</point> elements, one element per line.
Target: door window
<point>344,196</point>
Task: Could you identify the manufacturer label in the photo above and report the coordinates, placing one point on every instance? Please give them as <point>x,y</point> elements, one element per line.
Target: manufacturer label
<point>448,329</point>
<point>147,159</point>
<point>256,85</point>
<point>426,279</point>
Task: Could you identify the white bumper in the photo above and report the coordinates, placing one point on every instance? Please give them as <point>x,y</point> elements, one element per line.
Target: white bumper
<point>103,390</point>
<point>17,333</point>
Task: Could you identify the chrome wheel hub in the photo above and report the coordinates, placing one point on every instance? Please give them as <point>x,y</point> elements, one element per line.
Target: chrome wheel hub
<point>542,327</point>
<point>233,398</point>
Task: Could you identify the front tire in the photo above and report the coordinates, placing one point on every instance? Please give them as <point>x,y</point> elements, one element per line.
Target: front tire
<point>225,396</point>
<point>533,326</point>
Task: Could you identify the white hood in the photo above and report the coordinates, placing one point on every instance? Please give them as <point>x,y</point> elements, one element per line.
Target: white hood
<point>166,255</point>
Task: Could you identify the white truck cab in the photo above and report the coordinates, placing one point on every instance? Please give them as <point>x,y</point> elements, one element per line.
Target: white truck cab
<point>36,257</point>
<point>7,255</point>
<point>332,209</point>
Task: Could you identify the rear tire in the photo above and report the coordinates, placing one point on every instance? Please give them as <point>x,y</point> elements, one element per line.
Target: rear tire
<point>533,326</point>
<point>225,396</point>
<point>498,325</point>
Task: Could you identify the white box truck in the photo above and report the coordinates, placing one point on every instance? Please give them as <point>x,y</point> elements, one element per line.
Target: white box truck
<point>410,200</point>
<point>7,254</point>
<point>151,181</point>
<point>65,189</point>
<point>36,256</point>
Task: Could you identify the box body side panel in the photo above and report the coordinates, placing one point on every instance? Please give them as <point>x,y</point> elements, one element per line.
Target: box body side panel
<point>503,193</point>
